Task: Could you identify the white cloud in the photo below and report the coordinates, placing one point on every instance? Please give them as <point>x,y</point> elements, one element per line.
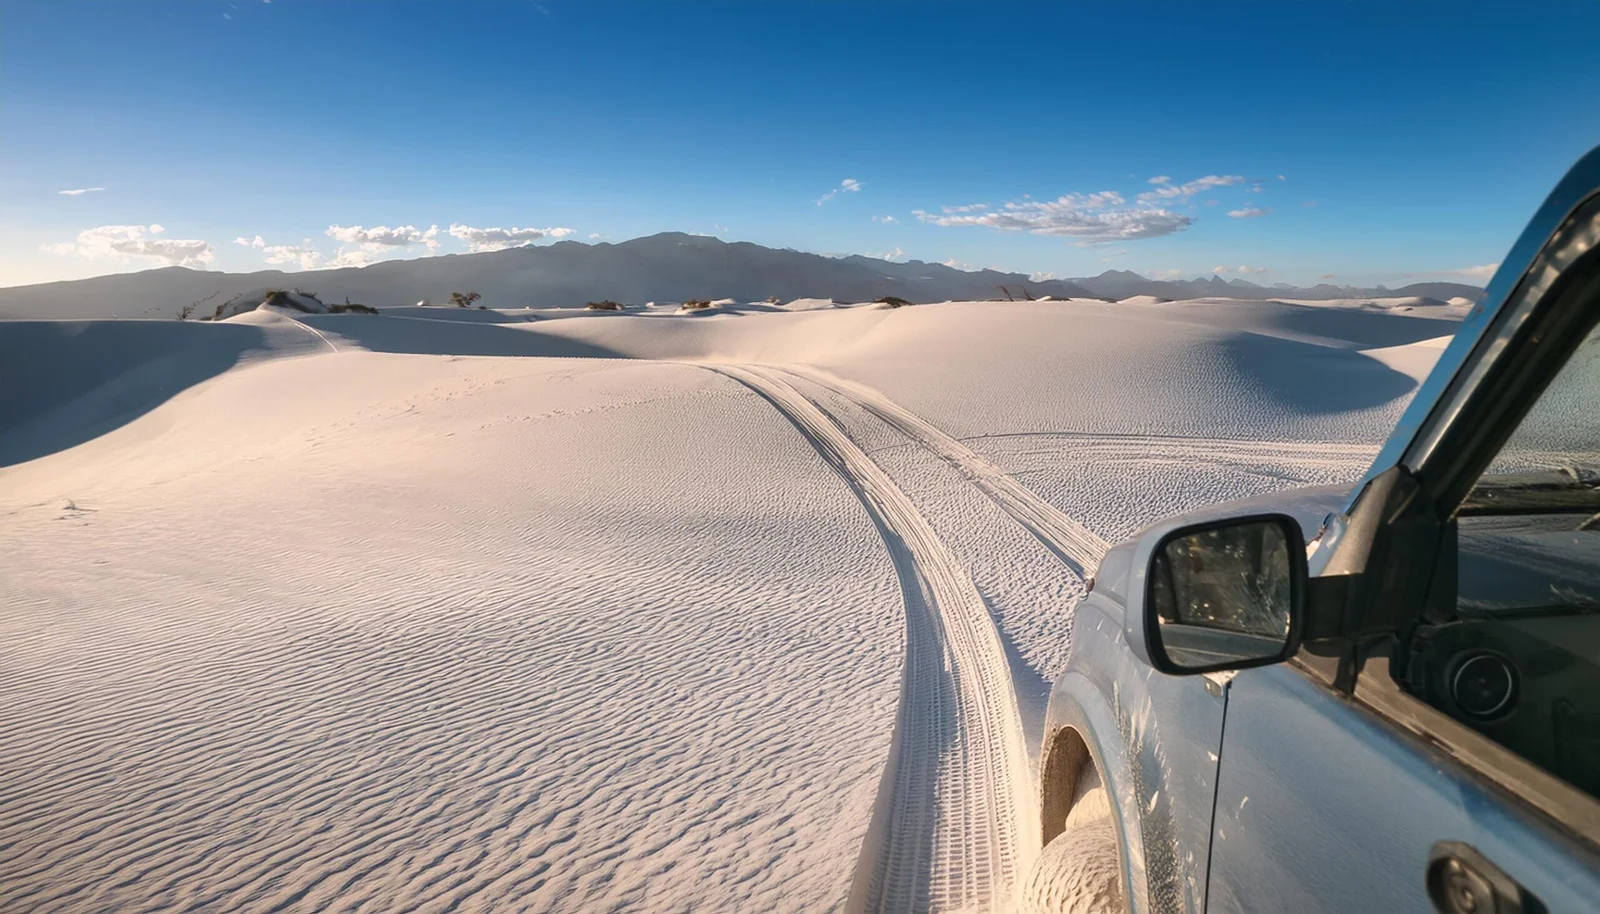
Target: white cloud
<point>961,265</point>
<point>1249,212</point>
<point>1087,217</point>
<point>498,239</point>
<point>1041,276</point>
<point>1478,274</point>
<point>847,186</point>
<point>1326,276</point>
<point>80,191</point>
<point>1483,272</point>
<point>352,257</point>
<point>303,254</point>
<point>593,236</point>
<point>1093,218</point>
<point>1163,274</point>
<point>1168,191</point>
<point>1240,269</point>
<point>893,255</point>
<point>884,219</point>
<point>381,238</point>
<point>132,244</point>
<point>1254,270</point>
<point>307,257</point>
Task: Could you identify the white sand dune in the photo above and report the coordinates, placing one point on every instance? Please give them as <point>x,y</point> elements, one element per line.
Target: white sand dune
<point>810,304</point>
<point>1413,360</point>
<point>478,610</point>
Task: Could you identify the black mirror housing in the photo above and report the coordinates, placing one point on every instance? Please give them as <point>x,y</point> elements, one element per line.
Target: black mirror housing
<point>1225,595</point>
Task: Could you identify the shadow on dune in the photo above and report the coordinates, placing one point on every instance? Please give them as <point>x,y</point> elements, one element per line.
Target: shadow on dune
<point>459,315</point>
<point>1361,329</point>
<point>452,335</point>
<point>67,382</point>
<point>1313,379</point>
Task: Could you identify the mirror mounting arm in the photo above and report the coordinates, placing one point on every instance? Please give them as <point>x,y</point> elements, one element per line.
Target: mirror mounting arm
<point>1369,590</point>
<point>1326,607</point>
<point>1327,646</point>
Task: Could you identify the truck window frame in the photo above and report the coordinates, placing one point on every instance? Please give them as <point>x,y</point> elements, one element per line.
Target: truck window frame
<point>1554,305</point>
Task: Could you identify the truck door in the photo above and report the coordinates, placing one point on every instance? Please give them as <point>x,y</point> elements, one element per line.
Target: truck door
<point>1456,767</point>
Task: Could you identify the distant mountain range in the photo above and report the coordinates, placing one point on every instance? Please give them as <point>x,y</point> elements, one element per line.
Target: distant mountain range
<point>1119,284</point>
<point>667,267</point>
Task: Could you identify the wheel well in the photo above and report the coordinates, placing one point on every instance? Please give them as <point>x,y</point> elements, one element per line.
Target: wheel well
<point>1066,772</point>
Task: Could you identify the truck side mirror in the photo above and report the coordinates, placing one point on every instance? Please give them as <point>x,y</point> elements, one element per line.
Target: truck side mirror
<point>1225,595</point>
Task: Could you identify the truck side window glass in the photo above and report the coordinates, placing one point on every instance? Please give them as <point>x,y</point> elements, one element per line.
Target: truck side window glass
<point>1520,659</point>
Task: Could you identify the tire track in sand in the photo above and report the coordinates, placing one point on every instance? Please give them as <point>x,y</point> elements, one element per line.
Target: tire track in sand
<point>307,328</point>
<point>949,830</point>
<point>1072,543</point>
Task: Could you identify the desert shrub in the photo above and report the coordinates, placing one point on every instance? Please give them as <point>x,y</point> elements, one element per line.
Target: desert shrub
<point>774,300</point>
<point>464,301</point>
<point>349,308</point>
<point>607,305</point>
<point>696,304</point>
<point>282,299</point>
<point>187,311</point>
<point>483,307</point>
<point>893,301</point>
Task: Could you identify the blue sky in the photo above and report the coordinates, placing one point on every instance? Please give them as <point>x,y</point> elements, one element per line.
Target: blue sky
<point>1376,143</point>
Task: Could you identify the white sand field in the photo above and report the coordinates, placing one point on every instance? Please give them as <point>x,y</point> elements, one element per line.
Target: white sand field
<point>749,609</point>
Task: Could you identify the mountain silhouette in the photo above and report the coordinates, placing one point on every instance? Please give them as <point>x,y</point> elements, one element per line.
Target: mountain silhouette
<point>670,266</point>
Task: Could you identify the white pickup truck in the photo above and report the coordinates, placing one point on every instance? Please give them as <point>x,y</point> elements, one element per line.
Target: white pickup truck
<point>1403,715</point>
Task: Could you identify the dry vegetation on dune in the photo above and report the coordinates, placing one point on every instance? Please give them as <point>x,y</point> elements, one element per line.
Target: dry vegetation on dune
<point>607,305</point>
<point>282,299</point>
